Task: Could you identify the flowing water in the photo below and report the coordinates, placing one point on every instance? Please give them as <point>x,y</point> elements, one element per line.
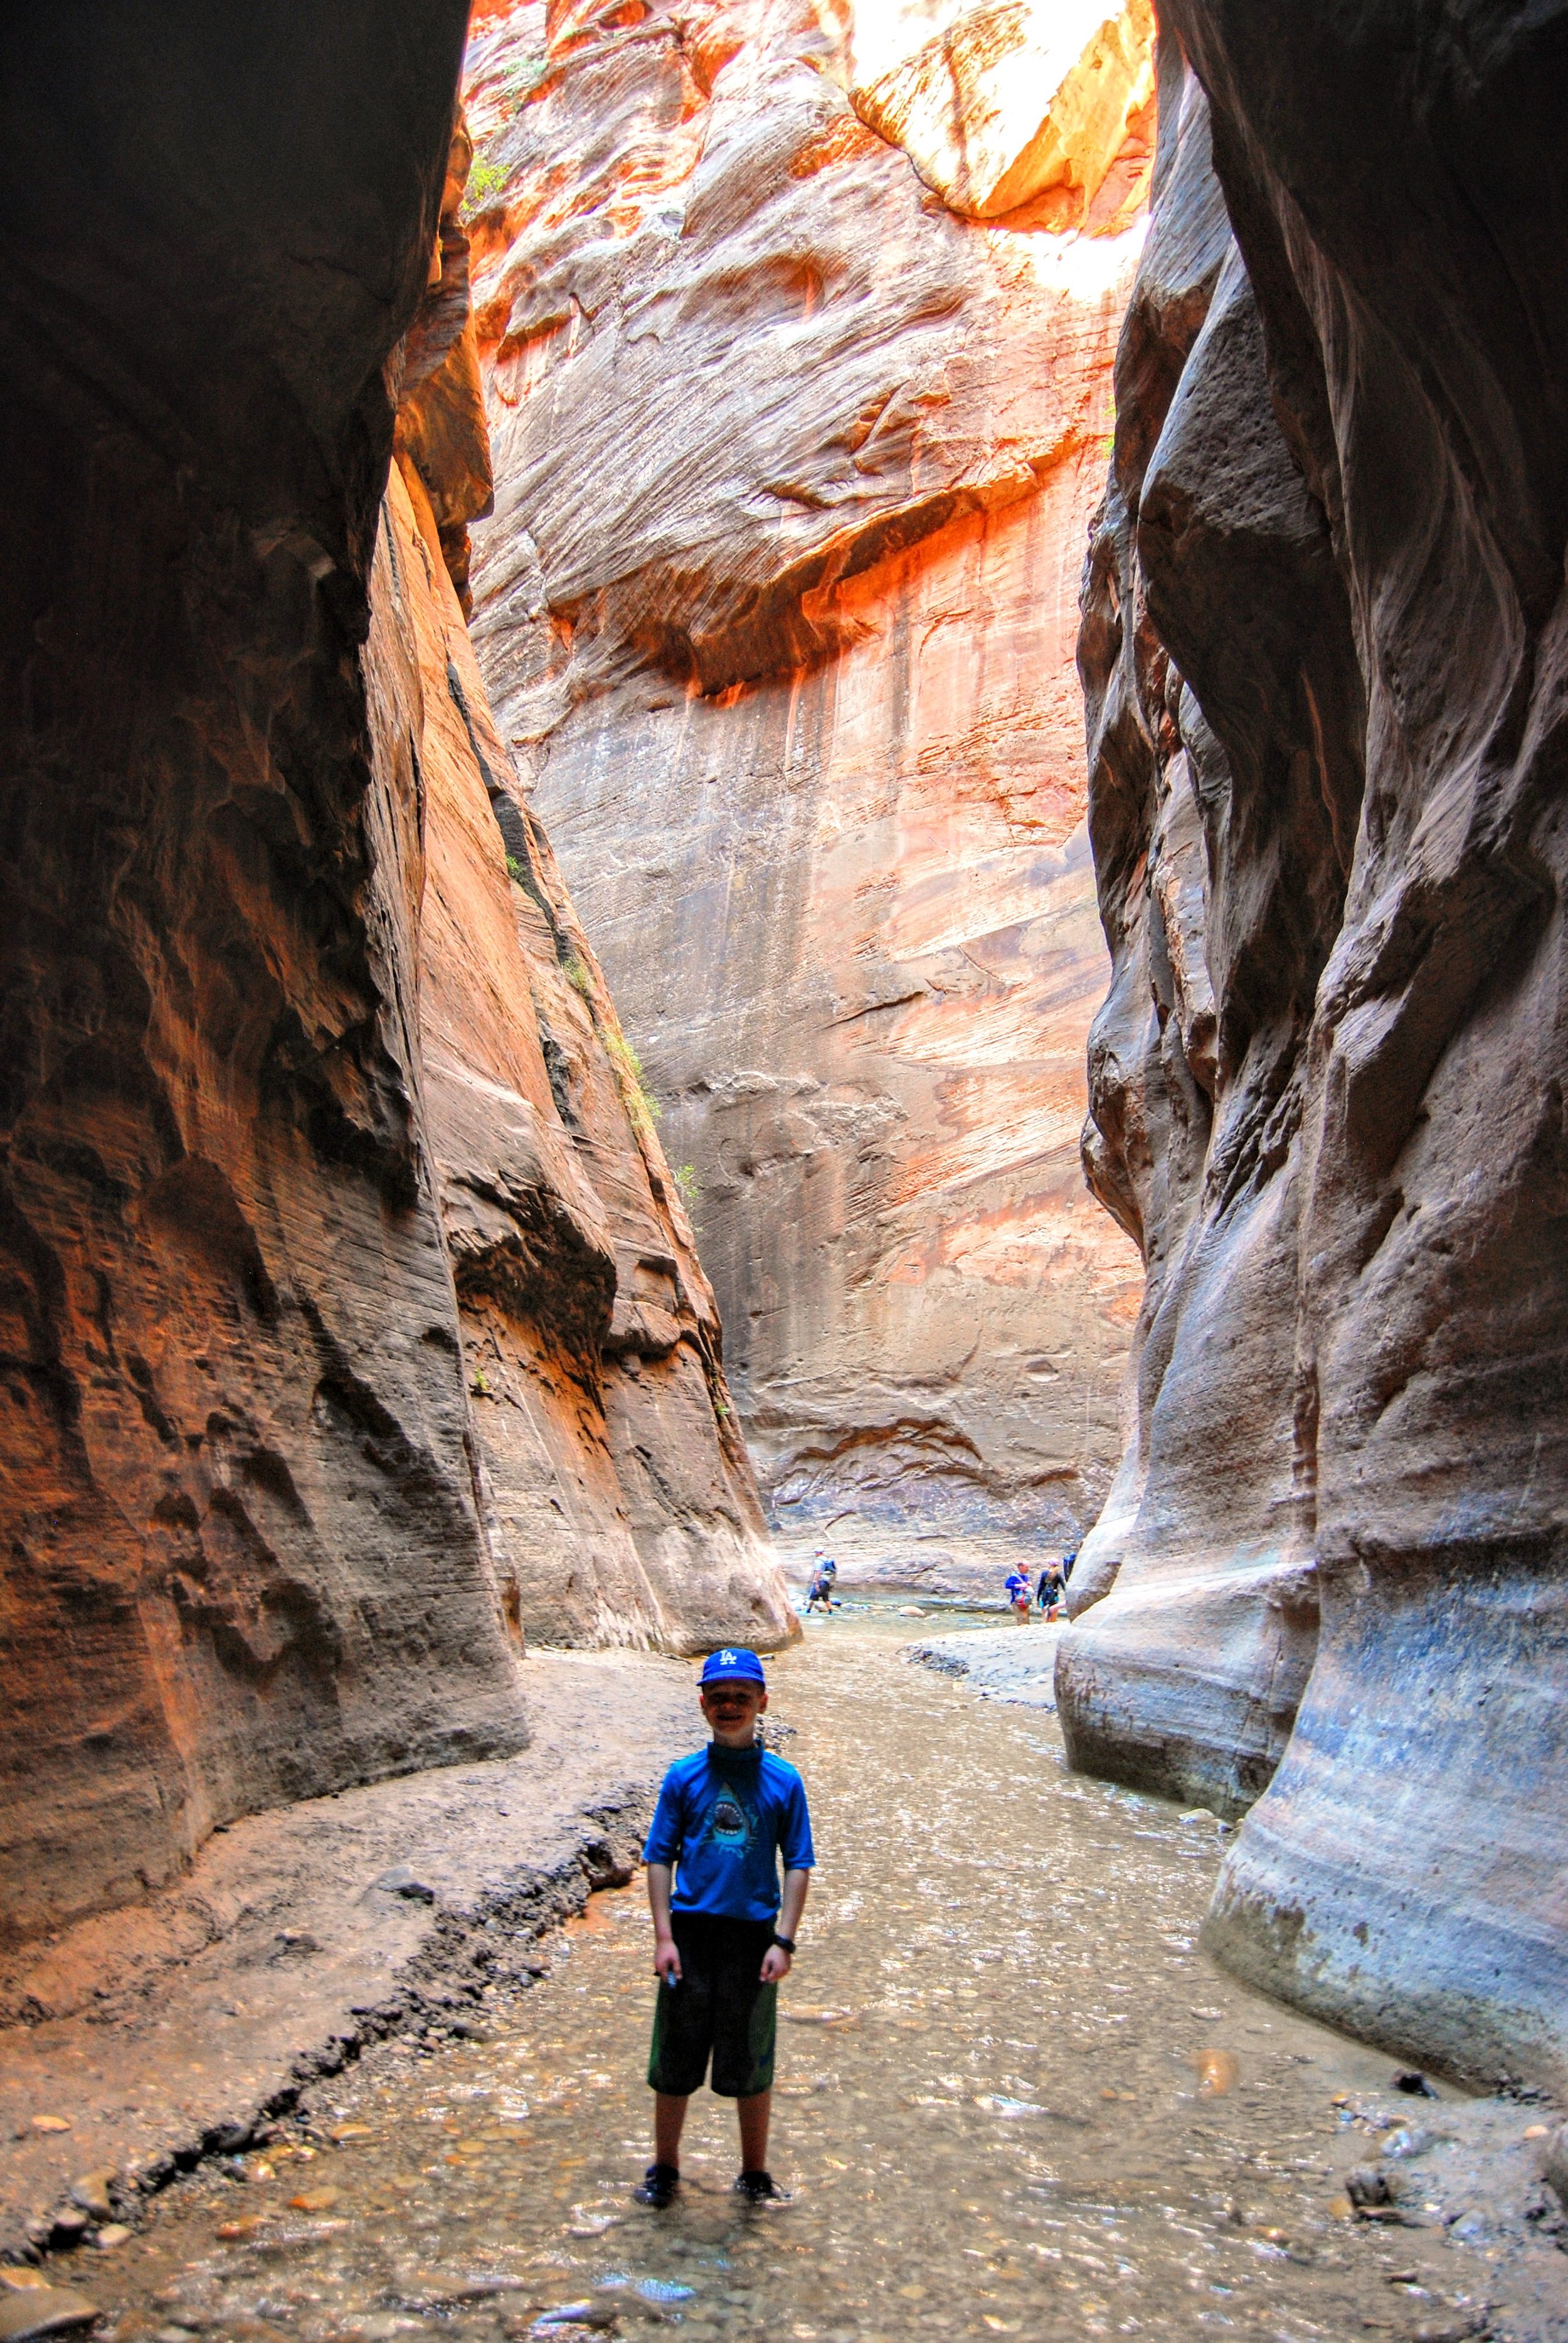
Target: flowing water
<point>1014,2098</point>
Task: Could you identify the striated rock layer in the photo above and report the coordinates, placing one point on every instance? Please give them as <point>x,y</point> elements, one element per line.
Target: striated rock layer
<point>246,1524</point>
<point>1321,647</point>
<point>793,467</point>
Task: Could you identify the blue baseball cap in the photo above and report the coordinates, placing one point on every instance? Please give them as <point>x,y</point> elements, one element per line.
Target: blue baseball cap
<point>732,1665</point>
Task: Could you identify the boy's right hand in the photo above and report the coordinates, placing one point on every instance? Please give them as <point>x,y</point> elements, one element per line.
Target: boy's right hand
<point>666,1960</point>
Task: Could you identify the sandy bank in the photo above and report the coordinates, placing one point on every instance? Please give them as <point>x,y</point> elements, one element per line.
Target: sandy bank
<point>170,2030</point>
<point>1011,1663</point>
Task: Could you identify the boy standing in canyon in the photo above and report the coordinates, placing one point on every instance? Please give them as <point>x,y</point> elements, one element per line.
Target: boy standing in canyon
<point>723,1935</point>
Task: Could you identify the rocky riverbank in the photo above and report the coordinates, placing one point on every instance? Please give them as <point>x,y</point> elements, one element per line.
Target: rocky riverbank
<point>133,2045</point>
<point>1012,1663</point>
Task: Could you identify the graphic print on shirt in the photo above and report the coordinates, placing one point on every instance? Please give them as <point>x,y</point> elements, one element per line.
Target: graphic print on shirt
<point>729,1824</point>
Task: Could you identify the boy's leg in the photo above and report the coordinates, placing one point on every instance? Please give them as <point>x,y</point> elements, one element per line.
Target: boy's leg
<point>744,2032</point>
<point>677,2057</point>
<point>753,2113</point>
<point>668,2122</point>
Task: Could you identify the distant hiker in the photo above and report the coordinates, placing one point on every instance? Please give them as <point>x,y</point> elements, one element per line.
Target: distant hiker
<point>1067,1561</point>
<point>1051,1587</point>
<point>824,1570</point>
<point>722,1937</point>
<point>1017,1591</point>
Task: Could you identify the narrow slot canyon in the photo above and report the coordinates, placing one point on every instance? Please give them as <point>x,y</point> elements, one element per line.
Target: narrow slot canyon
<point>778,783</point>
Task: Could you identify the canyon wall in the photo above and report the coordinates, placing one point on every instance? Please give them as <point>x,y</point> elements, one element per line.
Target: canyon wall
<point>796,429</point>
<point>253,1547</point>
<point>614,1482</point>
<point>1322,652</point>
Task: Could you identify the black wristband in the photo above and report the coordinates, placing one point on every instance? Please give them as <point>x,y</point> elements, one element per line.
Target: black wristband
<point>785,1943</point>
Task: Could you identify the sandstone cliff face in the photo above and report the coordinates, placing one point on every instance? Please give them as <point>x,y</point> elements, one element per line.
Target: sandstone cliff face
<point>245,1514</point>
<point>619,1499</point>
<point>243,1557</point>
<point>1321,649</point>
<point>793,465</point>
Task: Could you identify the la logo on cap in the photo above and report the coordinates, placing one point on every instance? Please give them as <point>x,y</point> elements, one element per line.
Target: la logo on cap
<point>727,1659</point>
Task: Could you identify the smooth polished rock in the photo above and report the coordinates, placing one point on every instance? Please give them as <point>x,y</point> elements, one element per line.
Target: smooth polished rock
<point>1196,1593</point>
<point>1326,598</point>
<point>244,1559</point>
<point>38,2310</point>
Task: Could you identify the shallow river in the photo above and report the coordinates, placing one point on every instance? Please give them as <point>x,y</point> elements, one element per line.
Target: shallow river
<point>1014,2099</point>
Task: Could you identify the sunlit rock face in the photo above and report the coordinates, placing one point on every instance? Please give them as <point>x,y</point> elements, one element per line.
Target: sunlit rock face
<point>251,1547</point>
<point>1321,651</point>
<point>793,467</point>
<point>1000,107</point>
<point>620,1505</point>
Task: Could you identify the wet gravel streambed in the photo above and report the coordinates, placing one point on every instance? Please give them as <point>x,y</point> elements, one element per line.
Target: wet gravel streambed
<point>1014,2099</point>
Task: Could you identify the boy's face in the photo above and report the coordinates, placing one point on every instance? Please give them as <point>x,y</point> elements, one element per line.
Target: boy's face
<point>732,1711</point>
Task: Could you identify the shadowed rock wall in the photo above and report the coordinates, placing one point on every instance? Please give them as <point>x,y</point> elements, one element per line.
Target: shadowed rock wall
<point>1322,648</point>
<point>242,1514</point>
<point>243,1559</point>
<point>793,466</point>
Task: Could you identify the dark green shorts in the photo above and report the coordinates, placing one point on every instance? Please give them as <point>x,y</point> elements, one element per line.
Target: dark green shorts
<point>720,2007</point>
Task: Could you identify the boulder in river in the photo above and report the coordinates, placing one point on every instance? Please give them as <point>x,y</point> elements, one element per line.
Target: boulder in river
<point>31,2312</point>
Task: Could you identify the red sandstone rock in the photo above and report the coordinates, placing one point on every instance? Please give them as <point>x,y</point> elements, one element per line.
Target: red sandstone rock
<point>621,1504</point>
<point>441,431</point>
<point>793,467</point>
<point>247,1552</point>
<point>1000,105</point>
<point>243,1557</point>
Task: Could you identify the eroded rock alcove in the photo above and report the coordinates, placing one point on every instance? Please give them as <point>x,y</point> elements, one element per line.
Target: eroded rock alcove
<point>794,457</point>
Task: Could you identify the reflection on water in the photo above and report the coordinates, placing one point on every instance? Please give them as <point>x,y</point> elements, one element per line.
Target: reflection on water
<point>1014,2099</point>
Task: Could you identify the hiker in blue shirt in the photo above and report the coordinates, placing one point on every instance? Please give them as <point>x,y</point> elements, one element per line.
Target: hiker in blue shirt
<point>722,1936</point>
<point>1017,1592</point>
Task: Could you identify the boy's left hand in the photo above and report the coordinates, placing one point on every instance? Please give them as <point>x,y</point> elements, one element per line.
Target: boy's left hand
<point>775,1965</point>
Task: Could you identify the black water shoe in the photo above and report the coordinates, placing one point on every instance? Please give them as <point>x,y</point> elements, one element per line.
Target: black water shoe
<point>760,2189</point>
<point>660,2186</point>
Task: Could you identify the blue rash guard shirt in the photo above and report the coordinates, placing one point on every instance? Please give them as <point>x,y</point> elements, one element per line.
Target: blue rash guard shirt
<point>723,1819</point>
